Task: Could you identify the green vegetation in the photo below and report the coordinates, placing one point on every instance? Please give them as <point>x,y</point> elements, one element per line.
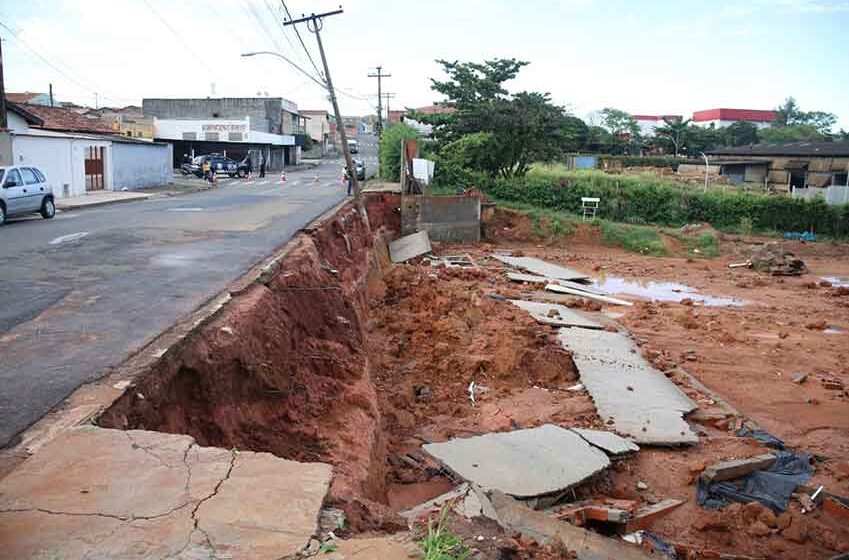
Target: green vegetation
<point>439,544</point>
<point>644,240</point>
<point>646,199</point>
<point>389,150</point>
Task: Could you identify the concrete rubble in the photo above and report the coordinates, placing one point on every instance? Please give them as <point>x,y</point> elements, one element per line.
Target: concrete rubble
<point>541,268</point>
<point>561,289</point>
<point>522,463</point>
<point>612,444</point>
<point>628,392</point>
<point>555,314</point>
<point>100,493</point>
<point>409,247</point>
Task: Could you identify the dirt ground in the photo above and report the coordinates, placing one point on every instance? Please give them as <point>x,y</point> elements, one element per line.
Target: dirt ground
<point>434,330</point>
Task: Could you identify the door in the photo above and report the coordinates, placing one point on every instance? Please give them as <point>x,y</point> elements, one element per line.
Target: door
<point>94,168</point>
<point>36,189</point>
<point>16,192</point>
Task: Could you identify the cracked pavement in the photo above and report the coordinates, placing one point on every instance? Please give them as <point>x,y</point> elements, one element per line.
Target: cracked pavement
<point>97,493</point>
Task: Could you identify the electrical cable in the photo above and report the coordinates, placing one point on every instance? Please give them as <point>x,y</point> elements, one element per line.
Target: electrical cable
<point>298,33</point>
<point>178,36</point>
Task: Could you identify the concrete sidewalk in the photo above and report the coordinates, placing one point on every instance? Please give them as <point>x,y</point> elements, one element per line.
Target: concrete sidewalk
<point>100,198</point>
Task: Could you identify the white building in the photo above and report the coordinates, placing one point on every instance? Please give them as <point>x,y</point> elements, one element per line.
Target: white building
<point>724,117</point>
<point>76,162</point>
<point>649,122</point>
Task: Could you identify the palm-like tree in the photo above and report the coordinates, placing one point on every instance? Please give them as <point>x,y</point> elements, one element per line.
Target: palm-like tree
<point>675,130</point>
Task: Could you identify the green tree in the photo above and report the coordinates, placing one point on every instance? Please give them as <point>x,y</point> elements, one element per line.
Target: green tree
<point>623,128</point>
<point>791,133</point>
<point>389,149</point>
<point>740,133</point>
<point>522,128</point>
<point>574,134</point>
<point>675,130</point>
<point>787,113</point>
<point>599,139</point>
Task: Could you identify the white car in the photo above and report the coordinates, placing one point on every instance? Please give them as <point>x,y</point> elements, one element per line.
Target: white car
<point>25,191</point>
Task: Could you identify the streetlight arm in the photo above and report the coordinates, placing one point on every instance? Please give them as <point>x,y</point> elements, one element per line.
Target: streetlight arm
<point>278,55</point>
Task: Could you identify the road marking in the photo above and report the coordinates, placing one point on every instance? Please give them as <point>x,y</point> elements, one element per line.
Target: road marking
<point>249,182</point>
<point>69,237</point>
<point>186,209</point>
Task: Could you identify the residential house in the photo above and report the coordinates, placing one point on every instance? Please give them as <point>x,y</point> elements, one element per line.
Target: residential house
<point>318,127</point>
<point>724,117</point>
<point>803,169</point>
<point>127,121</point>
<point>234,126</point>
<point>78,154</point>
<point>29,97</point>
<point>424,129</point>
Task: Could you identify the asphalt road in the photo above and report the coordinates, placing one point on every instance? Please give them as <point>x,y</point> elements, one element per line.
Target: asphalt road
<point>86,289</point>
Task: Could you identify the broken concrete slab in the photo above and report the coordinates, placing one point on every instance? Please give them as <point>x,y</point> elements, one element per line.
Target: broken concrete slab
<point>555,314</point>
<point>522,463</point>
<point>95,492</point>
<point>645,516</point>
<point>612,444</point>
<point>534,279</point>
<point>738,468</point>
<point>409,246</point>
<point>390,547</point>
<point>541,267</point>
<point>556,287</point>
<point>587,545</point>
<point>640,400</point>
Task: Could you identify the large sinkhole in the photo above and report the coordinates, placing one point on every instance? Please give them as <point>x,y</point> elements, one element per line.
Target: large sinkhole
<point>345,359</point>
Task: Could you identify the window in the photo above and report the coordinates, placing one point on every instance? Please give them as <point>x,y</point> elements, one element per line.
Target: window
<point>211,136</point>
<point>130,133</point>
<point>29,177</point>
<point>190,136</point>
<point>13,179</point>
<point>840,179</point>
<point>235,137</point>
<point>40,175</point>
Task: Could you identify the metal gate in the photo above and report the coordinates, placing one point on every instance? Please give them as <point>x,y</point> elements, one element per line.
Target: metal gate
<point>94,168</point>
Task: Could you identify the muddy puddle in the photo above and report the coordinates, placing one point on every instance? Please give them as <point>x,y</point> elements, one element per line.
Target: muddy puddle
<point>662,291</point>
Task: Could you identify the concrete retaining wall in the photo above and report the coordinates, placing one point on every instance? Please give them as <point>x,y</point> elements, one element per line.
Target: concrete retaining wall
<point>445,218</point>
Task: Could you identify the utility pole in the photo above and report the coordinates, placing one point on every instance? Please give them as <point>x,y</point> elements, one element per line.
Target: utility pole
<point>387,96</point>
<point>51,95</point>
<point>4,123</point>
<point>379,75</point>
<point>314,24</point>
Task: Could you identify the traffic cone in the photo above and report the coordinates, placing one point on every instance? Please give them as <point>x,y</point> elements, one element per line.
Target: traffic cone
<point>282,176</point>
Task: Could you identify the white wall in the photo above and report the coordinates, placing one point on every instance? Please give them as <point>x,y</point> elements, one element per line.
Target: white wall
<point>723,123</point>
<point>173,129</point>
<point>17,123</point>
<point>137,166</point>
<point>62,160</point>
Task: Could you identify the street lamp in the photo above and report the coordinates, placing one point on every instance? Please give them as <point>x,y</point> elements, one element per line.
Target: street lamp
<point>707,168</point>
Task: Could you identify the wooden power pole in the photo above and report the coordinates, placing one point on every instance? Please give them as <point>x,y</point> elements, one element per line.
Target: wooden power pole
<point>4,122</point>
<point>314,24</point>
<point>379,75</point>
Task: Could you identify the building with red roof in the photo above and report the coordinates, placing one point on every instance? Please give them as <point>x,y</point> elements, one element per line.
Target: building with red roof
<point>723,117</point>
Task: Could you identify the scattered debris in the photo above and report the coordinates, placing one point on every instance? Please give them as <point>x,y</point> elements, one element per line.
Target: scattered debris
<point>645,516</point>
<point>799,378</point>
<point>453,261</point>
<point>522,463</point>
<point>762,436</point>
<point>772,258</point>
<point>642,485</point>
<point>572,291</point>
<point>541,268</point>
<point>772,486</point>
<point>738,468</point>
<point>409,246</point>
<point>555,315</point>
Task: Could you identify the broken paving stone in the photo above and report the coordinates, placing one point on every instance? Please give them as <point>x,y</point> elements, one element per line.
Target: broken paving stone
<point>522,463</point>
<point>609,442</point>
<point>541,267</point>
<point>555,314</point>
<point>231,500</point>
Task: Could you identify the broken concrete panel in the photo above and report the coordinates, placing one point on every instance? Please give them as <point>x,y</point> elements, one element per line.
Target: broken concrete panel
<point>610,443</point>
<point>645,516</point>
<point>530,278</point>
<point>514,517</point>
<point>375,548</point>
<point>555,314</point>
<point>640,400</point>
<point>522,463</point>
<point>738,468</point>
<point>455,219</point>
<point>96,492</point>
<point>409,246</point>
<point>542,268</point>
<point>582,293</point>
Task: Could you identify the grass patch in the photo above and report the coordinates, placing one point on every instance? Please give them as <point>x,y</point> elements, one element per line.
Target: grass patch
<point>439,544</point>
<point>639,239</point>
<point>704,244</point>
<point>544,221</point>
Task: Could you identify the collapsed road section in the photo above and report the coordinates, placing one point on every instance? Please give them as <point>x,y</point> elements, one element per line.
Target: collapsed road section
<point>342,393</point>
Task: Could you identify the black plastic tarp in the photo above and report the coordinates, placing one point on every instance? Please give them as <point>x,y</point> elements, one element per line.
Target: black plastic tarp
<point>762,436</point>
<point>771,487</point>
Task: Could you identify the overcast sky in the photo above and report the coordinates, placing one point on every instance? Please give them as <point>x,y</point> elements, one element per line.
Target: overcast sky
<point>645,57</point>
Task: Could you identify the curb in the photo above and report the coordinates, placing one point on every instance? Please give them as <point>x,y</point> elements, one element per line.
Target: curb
<point>81,206</point>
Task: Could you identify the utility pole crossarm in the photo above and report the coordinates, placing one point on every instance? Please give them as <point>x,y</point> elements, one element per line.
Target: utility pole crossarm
<point>314,24</point>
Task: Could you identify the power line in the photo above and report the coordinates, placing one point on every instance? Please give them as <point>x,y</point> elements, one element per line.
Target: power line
<point>298,33</point>
<point>178,36</point>
<point>274,16</point>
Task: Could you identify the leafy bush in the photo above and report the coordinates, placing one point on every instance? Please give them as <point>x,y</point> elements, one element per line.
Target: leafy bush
<point>389,149</point>
<point>646,199</point>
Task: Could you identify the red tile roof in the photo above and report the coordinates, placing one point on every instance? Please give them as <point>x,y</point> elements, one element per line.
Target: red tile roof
<point>751,115</point>
<point>656,117</point>
<point>24,97</point>
<point>57,118</point>
<point>437,109</point>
